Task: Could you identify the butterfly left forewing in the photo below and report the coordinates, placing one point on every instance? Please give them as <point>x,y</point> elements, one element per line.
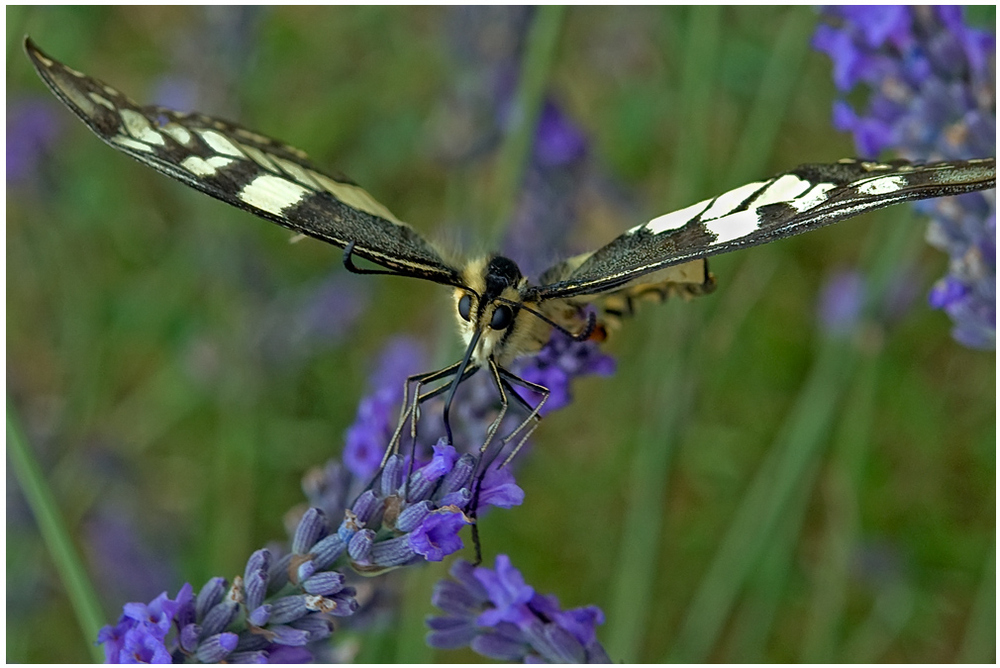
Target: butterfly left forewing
<point>797,201</point>
<point>246,169</point>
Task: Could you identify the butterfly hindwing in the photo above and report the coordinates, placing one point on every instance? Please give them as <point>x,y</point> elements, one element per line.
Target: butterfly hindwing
<point>790,203</point>
<point>245,169</point>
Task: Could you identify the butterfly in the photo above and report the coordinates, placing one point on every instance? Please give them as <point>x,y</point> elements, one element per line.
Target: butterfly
<point>501,314</point>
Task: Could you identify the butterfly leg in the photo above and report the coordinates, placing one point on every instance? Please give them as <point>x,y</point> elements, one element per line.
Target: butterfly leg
<point>484,465</point>
<point>504,387</point>
<point>534,418</point>
<point>409,410</point>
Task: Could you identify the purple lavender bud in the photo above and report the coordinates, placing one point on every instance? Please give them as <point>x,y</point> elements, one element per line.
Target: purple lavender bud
<point>392,475</point>
<point>345,532</point>
<point>455,599</point>
<point>324,584</point>
<point>563,644</point>
<point>459,476</point>
<point>392,552</point>
<point>437,535</point>
<point>189,637</point>
<point>260,615</point>
<point>251,642</point>
<point>218,618</point>
<point>366,508</point>
<point>286,635</point>
<point>312,527</point>
<point>210,596</point>
<point>361,544</point>
<point>287,654</point>
<point>287,608</point>
<point>278,577</point>
<point>498,647</point>
<point>413,515</point>
<point>216,648</point>
<point>259,656</point>
<point>460,499</point>
<point>305,570</point>
<point>317,626</point>
<point>328,551</point>
<point>255,589</point>
<point>344,603</point>
<point>442,462</point>
<point>420,487</point>
<point>450,633</point>
<point>259,561</point>
<point>185,613</point>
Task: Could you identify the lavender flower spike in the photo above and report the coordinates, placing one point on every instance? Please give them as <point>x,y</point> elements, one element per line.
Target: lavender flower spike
<point>501,617</point>
<point>932,83</point>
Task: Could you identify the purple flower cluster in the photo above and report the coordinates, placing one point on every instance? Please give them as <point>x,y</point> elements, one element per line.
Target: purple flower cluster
<point>501,617</point>
<point>561,360</point>
<point>932,84</point>
<point>400,521</point>
<point>273,613</point>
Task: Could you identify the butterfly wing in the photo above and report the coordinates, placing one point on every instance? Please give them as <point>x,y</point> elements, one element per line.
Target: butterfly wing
<point>245,169</point>
<point>790,203</point>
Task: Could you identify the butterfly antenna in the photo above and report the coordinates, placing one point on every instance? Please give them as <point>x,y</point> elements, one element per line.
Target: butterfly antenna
<point>580,336</point>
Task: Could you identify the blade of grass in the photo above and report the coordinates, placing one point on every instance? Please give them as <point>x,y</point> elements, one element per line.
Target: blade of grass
<point>780,79</point>
<point>841,491</point>
<point>979,643</point>
<point>752,626</point>
<point>64,554</point>
<point>701,54</point>
<point>539,53</point>
<point>636,565</point>
<point>853,437</point>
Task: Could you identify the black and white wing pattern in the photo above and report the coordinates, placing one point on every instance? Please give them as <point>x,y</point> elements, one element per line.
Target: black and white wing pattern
<point>790,203</point>
<point>246,169</point>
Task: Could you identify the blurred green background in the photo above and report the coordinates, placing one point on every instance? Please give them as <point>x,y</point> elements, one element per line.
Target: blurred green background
<point>745,488</point>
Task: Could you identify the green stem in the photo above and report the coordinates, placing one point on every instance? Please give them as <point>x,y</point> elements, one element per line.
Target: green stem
<point>67,561</point>
<point>701,55</point>
<point>543,38</point>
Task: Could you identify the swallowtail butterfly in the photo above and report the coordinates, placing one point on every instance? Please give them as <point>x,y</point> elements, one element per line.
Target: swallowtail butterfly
<point>501,314</point>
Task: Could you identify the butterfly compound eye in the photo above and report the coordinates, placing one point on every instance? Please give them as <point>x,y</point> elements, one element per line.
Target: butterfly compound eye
<point>502,317</point>
<point>465,307</point>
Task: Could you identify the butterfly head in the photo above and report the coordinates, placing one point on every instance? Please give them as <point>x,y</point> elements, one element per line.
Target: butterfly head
<point>488,305</point>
